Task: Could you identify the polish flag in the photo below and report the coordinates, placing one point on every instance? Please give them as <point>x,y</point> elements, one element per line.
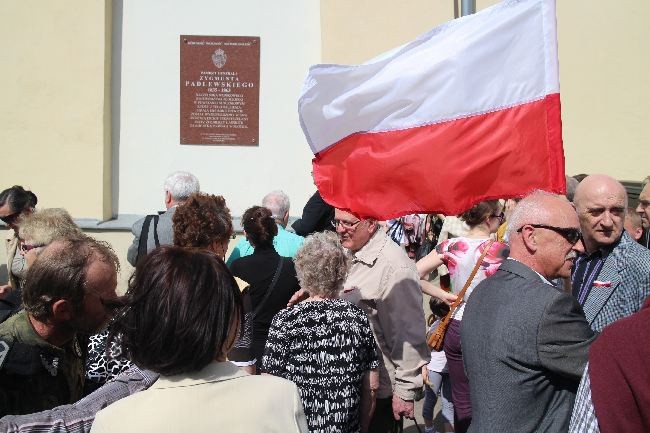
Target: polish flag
<point>469,111</point>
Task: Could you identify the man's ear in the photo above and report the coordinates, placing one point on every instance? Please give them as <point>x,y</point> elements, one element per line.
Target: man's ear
<point>168,199</point>
<point>529,238</point>
<point>62,311</point>
<point>285,218</point>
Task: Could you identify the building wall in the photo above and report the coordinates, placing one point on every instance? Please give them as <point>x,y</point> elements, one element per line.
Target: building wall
<point>149,101</point>
<point>54,108</point>
<point>603,69</point>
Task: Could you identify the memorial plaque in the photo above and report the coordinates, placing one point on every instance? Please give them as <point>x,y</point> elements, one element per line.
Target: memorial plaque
<point>220,94</point>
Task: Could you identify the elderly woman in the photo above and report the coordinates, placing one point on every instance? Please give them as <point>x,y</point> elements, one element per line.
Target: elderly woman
<point>272,278</point>
<point>15,203</point>
<point>204,221</point>
<point>181,314</point>
<point>39,229</point>
<point>460,256</point>
<point>325,344</point>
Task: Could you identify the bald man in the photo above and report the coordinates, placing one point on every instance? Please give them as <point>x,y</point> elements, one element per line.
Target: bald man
<point>611,279</point>
<point>525,341</point>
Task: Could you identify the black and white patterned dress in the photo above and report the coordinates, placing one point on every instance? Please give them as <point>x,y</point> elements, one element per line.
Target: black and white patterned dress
<point>324,347</point>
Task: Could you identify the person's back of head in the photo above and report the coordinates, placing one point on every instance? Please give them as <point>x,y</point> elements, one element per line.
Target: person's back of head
<point>182,311</point>
<point>480,212</point>
<point>202,220</point>
<point>259,225</point>
<point>180,185</point>
<point>278,203</point>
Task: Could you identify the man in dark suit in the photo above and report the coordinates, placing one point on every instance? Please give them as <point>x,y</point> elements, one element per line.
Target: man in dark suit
<point>611,278</point>
<point>178,187</point>
<point>525,342</point>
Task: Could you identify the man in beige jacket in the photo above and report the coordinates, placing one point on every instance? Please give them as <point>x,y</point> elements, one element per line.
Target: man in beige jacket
<point>384,283</point>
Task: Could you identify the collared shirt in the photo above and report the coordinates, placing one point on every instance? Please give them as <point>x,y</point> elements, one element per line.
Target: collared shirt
<point>285,243</point>
<point>585,270</point>
<point>544,280</point>
<point>79,417</point>
<point>384,283</point>
<point>583,419</point>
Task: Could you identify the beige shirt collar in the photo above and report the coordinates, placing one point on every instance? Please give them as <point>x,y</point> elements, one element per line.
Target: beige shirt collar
<point>369,253</point>
<point>213,372</point>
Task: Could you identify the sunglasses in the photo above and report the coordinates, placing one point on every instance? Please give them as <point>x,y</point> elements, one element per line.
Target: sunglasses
<point>10,219</point>
<point>570,234</point>
<point>501,217</point>
<point>24,247</point>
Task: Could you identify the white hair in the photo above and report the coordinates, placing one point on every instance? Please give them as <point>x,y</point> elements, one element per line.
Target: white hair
<point>529,210</point>
<point>277,202</point>
<point>181,184</point>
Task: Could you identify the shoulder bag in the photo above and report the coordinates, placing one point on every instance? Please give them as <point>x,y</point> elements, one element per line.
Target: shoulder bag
<point>437,337</point>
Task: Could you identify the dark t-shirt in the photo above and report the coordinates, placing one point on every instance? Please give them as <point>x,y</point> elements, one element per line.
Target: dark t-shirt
<point>258,270</point>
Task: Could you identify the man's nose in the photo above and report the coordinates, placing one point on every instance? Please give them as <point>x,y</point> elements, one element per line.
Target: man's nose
<point>579,247</point>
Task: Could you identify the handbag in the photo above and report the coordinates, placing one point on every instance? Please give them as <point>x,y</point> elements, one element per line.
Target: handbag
<point>432,226</point>
<point>437,337</point>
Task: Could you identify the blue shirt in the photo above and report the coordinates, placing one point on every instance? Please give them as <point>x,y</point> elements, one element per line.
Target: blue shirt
<point>285,243</point>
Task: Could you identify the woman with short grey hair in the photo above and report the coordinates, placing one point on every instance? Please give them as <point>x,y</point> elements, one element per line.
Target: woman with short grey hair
<point>325,344</point>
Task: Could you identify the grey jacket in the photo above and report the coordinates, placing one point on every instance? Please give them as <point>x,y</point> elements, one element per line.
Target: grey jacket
<point>626,274</point>
<point>525,346</point>
<point>165,234</point>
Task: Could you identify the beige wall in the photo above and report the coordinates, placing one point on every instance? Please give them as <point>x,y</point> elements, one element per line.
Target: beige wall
<point>603,69</point>
<point>54,109</point>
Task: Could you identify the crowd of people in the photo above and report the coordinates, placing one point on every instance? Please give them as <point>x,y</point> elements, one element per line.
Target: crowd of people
<point>320,327</point>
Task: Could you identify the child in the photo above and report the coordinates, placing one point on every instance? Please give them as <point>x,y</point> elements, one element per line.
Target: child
<point>436,377</point>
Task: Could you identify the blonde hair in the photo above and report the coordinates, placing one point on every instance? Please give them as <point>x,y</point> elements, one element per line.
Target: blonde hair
<point>46,225</point>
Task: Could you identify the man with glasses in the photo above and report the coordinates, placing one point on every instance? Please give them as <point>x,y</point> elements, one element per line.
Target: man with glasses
<point>611,279</point>
<point>66,290</point>
<point>643,209</point>
<point>525,341</point>
<point>384,283</point>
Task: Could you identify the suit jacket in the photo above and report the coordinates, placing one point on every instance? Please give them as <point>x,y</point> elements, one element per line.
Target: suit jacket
<point>525,346</point>
<point>220,397</point>
<point>165,234</point>
<point>627,270</point>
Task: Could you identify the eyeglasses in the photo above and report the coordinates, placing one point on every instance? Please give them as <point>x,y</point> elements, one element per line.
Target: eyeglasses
<point>10,219</point>
<point>24,247</point>
<point>501,217</point>
<point>570,234</point>
<point>345,224</point>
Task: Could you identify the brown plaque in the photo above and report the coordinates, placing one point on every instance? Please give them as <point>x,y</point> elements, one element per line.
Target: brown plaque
<point>220,77</point>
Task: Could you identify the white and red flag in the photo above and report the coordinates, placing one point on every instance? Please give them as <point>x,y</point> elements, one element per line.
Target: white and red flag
<point>467,112</point>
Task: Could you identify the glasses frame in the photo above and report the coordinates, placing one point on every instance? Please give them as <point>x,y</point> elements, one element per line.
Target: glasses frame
<point>346,225</point>
<point>573,236</point>
<point>501,217</point>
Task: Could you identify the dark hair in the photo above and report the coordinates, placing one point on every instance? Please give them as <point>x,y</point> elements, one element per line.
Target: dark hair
<point>480,212</point>
<point>201,220</point>
<point>60,272</point>
<point>438,308</point>
<point>260,226</point>
<point>18,198</point>
<point>179,310</point>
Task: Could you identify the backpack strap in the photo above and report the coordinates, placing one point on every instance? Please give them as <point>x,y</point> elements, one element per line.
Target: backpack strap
<point>144,236</point>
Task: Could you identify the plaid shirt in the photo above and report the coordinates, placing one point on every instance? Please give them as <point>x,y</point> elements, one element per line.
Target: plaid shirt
<point>79,417</point>
<point>583,419</point>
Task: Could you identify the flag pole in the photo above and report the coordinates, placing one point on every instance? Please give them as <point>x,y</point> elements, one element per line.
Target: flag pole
<point>467,7</point>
